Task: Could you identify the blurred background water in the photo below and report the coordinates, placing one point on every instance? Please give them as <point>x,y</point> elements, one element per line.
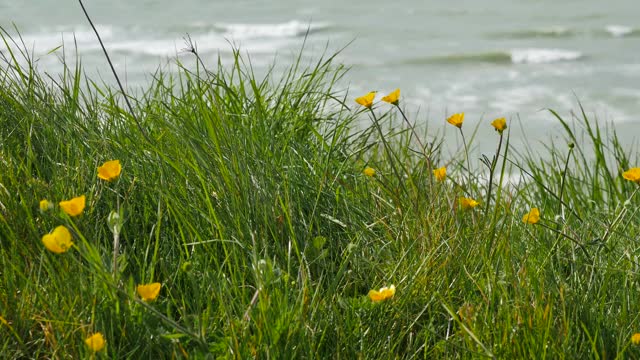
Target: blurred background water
<point>492,58</point>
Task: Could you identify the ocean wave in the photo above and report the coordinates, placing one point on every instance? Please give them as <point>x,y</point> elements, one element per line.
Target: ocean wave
<point>543,56</point>
<point>546,32</point>
<point>47,39</point>
<point>497,57</point>
<point>621,30</point>
<point>515,56</point>
<point>144,42</point>
<point>567,32</point>
<point>513,99</point>
<point>146,47</point>
<point>291,28</point>
<point>205,44</point>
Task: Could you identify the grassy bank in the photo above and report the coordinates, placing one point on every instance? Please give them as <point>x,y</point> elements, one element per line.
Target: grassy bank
<point>247,199</point>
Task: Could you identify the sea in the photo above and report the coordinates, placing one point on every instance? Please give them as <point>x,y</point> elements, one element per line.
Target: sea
<point>493,58</point>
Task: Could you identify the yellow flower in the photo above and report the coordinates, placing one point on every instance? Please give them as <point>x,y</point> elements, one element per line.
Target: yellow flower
<point>58,241</point>
<point>369,171</point>
<point>468,203</point>
<point>500,124</point>
<point>440,173</point>
<point>95,342</point>
<point>532,217</point>
<point>367,100</point>
<point>74,206</point>
<point>393,98</point>
<point>635,339</point>
<point>148,292</point>
<point>632,174</point>
<point>456,120</point>
<point>110,170</point>
<point>382,294</point>
<point>45,205</point>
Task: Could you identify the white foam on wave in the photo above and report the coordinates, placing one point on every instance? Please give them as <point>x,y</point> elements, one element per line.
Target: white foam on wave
<point>205,44</point>
<point>514,99</point>
<point>48,39</point>
<point>291,28</point>
<point>114,40</point>
<point>143,42</point>
<point>147,47</point>
<point>543,56</point>
<point>618,30</point>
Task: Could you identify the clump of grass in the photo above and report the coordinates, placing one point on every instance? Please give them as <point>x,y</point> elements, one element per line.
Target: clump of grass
<point>247,200</point>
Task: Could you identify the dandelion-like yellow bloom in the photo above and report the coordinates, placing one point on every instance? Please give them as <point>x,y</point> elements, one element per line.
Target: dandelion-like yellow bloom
<point>58,241</point>
<point>393,98</point>
<point>456,120</point>
<point>468,203</point>
<point>632,174</point>
<point>532,217</point>
<point>635,339</point>
<point>499,124</point>
<point>440,173</point>
<point>148,292</point>
<point>369,171</point>
<point>382,294</point>
<point>45,205</point>
<point>95,342</point>
<point>110,170</point>
<point>367,100</point>
<point>74,206</point>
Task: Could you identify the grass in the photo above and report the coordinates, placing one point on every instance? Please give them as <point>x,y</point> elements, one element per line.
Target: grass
<point>246,201</point>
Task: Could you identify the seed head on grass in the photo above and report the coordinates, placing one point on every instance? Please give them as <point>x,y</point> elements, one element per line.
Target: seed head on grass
<point>148,292</point>
<point>110,170</point>
<point>393,98</point>
<point>632,174</point>
<point>466,312</point>
<point>532,217</point>
<point>73,207</point>
<point>440,173</point>
<point>499,124</point>
<point>369,171</point>
<point>468,203</point>
<point>382,294</point>
<point>456,120</point>
<point>367,100</point>
<point>58,241</point>
<point>635,339</point>
<point>95,342</point>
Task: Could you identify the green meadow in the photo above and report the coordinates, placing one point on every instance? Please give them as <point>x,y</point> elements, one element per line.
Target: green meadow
<point>282,219</point>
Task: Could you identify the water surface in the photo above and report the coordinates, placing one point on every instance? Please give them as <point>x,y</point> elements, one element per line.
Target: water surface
<point>493,58</point>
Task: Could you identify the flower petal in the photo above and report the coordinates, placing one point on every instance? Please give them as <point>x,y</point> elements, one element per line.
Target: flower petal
<point>149,292</point>
<point>95,342</point>
<point>366,100</point>
<point>393,97</point>
<point>73,207</point>
<point>110,170</point>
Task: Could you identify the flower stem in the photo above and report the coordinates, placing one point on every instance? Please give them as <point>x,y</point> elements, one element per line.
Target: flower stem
<point>563,234</point>
<point>386,145</point>
<point>492,168</point>
<point>466,153</point>
<point>422,147</point>
<point>615,222</point>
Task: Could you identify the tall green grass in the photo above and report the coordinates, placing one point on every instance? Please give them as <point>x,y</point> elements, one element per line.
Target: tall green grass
<point>248,203</point>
